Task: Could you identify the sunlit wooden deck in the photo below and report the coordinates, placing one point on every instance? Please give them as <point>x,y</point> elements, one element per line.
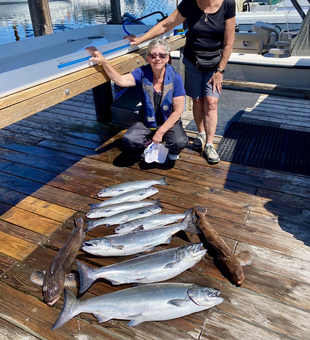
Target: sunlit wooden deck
<point>50,172</point>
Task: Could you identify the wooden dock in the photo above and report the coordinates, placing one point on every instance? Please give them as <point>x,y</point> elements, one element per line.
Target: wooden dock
<point>50,173</point>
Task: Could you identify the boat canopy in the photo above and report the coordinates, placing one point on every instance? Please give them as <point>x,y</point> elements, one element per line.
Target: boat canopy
<point>300,45</point>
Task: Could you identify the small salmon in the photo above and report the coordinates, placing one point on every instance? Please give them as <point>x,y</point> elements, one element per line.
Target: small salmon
<point>54,279</point>
<point>118,189</point>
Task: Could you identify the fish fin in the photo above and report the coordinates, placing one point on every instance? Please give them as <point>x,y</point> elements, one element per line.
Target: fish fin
<point>71,280</point>
<point>69,309</point>
<point>90,225</point>
<point>37,278</point>
<point>139,228</point>
<point>102,318</point>
<point>135,320</point>
<point>78,223</point>
<point>189,223</point>
<point>163,181</point>
<point>84,274</point>
<point>178,302</point>
<point>120,247</point>
<point>171,265</point>
<point>245,258</point>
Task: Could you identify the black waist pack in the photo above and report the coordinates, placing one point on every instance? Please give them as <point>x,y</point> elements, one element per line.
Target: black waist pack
<point>207,60</point>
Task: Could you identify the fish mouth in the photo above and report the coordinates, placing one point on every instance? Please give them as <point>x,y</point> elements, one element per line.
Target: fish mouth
<point>87,244</point>
<point>51,303</point>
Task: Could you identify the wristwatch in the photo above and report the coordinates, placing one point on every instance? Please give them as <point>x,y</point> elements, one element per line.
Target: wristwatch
<point>220,70</point>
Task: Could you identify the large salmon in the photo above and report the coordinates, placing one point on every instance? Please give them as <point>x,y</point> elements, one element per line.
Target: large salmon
<point>152,302</point>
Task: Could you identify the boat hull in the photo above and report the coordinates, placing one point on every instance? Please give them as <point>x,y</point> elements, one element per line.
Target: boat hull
<point>38,60</point>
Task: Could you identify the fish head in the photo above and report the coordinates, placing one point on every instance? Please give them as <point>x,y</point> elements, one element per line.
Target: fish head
<point>205,296</point>
<point>53,286</point>
<point>191,252</point>
<point>97,245</point>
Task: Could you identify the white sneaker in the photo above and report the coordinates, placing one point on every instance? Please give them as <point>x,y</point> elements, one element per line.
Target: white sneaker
<point>211,155</point>
<point>173,157</point>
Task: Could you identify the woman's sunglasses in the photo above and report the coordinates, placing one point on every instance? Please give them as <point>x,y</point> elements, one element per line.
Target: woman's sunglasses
<point>160,55</point>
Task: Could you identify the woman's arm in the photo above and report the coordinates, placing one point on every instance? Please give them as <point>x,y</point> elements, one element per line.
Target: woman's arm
<point>229,38</point>
<point>125,80</point>
<point>173,20</point>
<point>178,106</point>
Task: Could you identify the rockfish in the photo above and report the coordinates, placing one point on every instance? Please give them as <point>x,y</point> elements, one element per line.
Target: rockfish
<point>230,262</point>
<point>155,267</point>
<point>54,279</point>
<point>125,216</point>
<point>137,241</point>
<point>118,189</point>
<point>152,302</point>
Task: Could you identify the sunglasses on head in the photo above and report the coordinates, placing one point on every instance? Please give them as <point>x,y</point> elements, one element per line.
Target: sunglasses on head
<point>160,55</point>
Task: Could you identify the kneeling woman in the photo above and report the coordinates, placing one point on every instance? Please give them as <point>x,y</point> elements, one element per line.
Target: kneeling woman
<point>163,97</point>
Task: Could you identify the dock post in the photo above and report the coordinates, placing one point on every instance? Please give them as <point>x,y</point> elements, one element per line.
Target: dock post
<point>103,100</point>
<point>40,17</point>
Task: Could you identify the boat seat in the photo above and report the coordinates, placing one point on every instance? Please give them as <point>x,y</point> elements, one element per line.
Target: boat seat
<point>269,35</point>
<point>281,49</point>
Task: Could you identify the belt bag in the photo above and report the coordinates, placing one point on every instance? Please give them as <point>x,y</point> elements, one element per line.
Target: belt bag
<point>206,60</point>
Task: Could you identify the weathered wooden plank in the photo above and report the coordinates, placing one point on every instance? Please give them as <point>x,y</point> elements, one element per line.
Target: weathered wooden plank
<point>5,263</point>
<point>15,247</point>
<point>37,318</point>
<point>10,332</point>
<point>30,221</point>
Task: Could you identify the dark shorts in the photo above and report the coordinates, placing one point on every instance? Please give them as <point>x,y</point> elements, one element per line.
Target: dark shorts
<point>196,82</point>
<point>138,135</point>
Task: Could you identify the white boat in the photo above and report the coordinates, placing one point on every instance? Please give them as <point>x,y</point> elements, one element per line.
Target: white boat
<point>37,60</point>
<point>266,55</point>
<point>283,14</point>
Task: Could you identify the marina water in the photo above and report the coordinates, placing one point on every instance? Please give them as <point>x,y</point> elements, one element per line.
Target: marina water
<point>15,21</point>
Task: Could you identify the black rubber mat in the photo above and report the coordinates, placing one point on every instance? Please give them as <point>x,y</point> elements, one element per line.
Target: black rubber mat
<point>266,147</point>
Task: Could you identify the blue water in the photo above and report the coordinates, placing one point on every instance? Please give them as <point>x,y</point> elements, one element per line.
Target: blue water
<point>15,21</point>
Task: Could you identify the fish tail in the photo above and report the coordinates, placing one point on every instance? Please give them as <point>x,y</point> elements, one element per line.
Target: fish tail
<point>157,203</point>
<point>188,222</point>
<point>85,276</point>
<point>69,310</point>
<point>90,225</point>
<point>201,211</point>
<point>93,206</point>
<point>162,181</point>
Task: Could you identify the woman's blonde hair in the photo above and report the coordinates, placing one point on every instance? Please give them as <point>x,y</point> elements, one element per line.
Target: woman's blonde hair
<point>158,43</point>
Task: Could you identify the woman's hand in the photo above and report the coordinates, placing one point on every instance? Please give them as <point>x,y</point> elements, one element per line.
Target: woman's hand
<point>96,55</point>
<point>134,40</point>
<point>217,80</point>
<point>158,137</point>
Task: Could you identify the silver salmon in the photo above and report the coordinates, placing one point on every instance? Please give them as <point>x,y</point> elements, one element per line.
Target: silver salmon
<point>118,189</point>
<point>117,208</point>
<point>54,279</point>
<point>125,216</point>
<point>130,196</point>
<point>148,223</point>
<point>137,241</point>
<point>152,302</point>
<point>155,267</point>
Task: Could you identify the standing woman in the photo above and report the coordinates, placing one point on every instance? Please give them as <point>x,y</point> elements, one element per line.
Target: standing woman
<point>209,43</point>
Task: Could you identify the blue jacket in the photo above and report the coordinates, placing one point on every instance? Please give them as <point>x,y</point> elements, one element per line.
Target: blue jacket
<point>148,95</point>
